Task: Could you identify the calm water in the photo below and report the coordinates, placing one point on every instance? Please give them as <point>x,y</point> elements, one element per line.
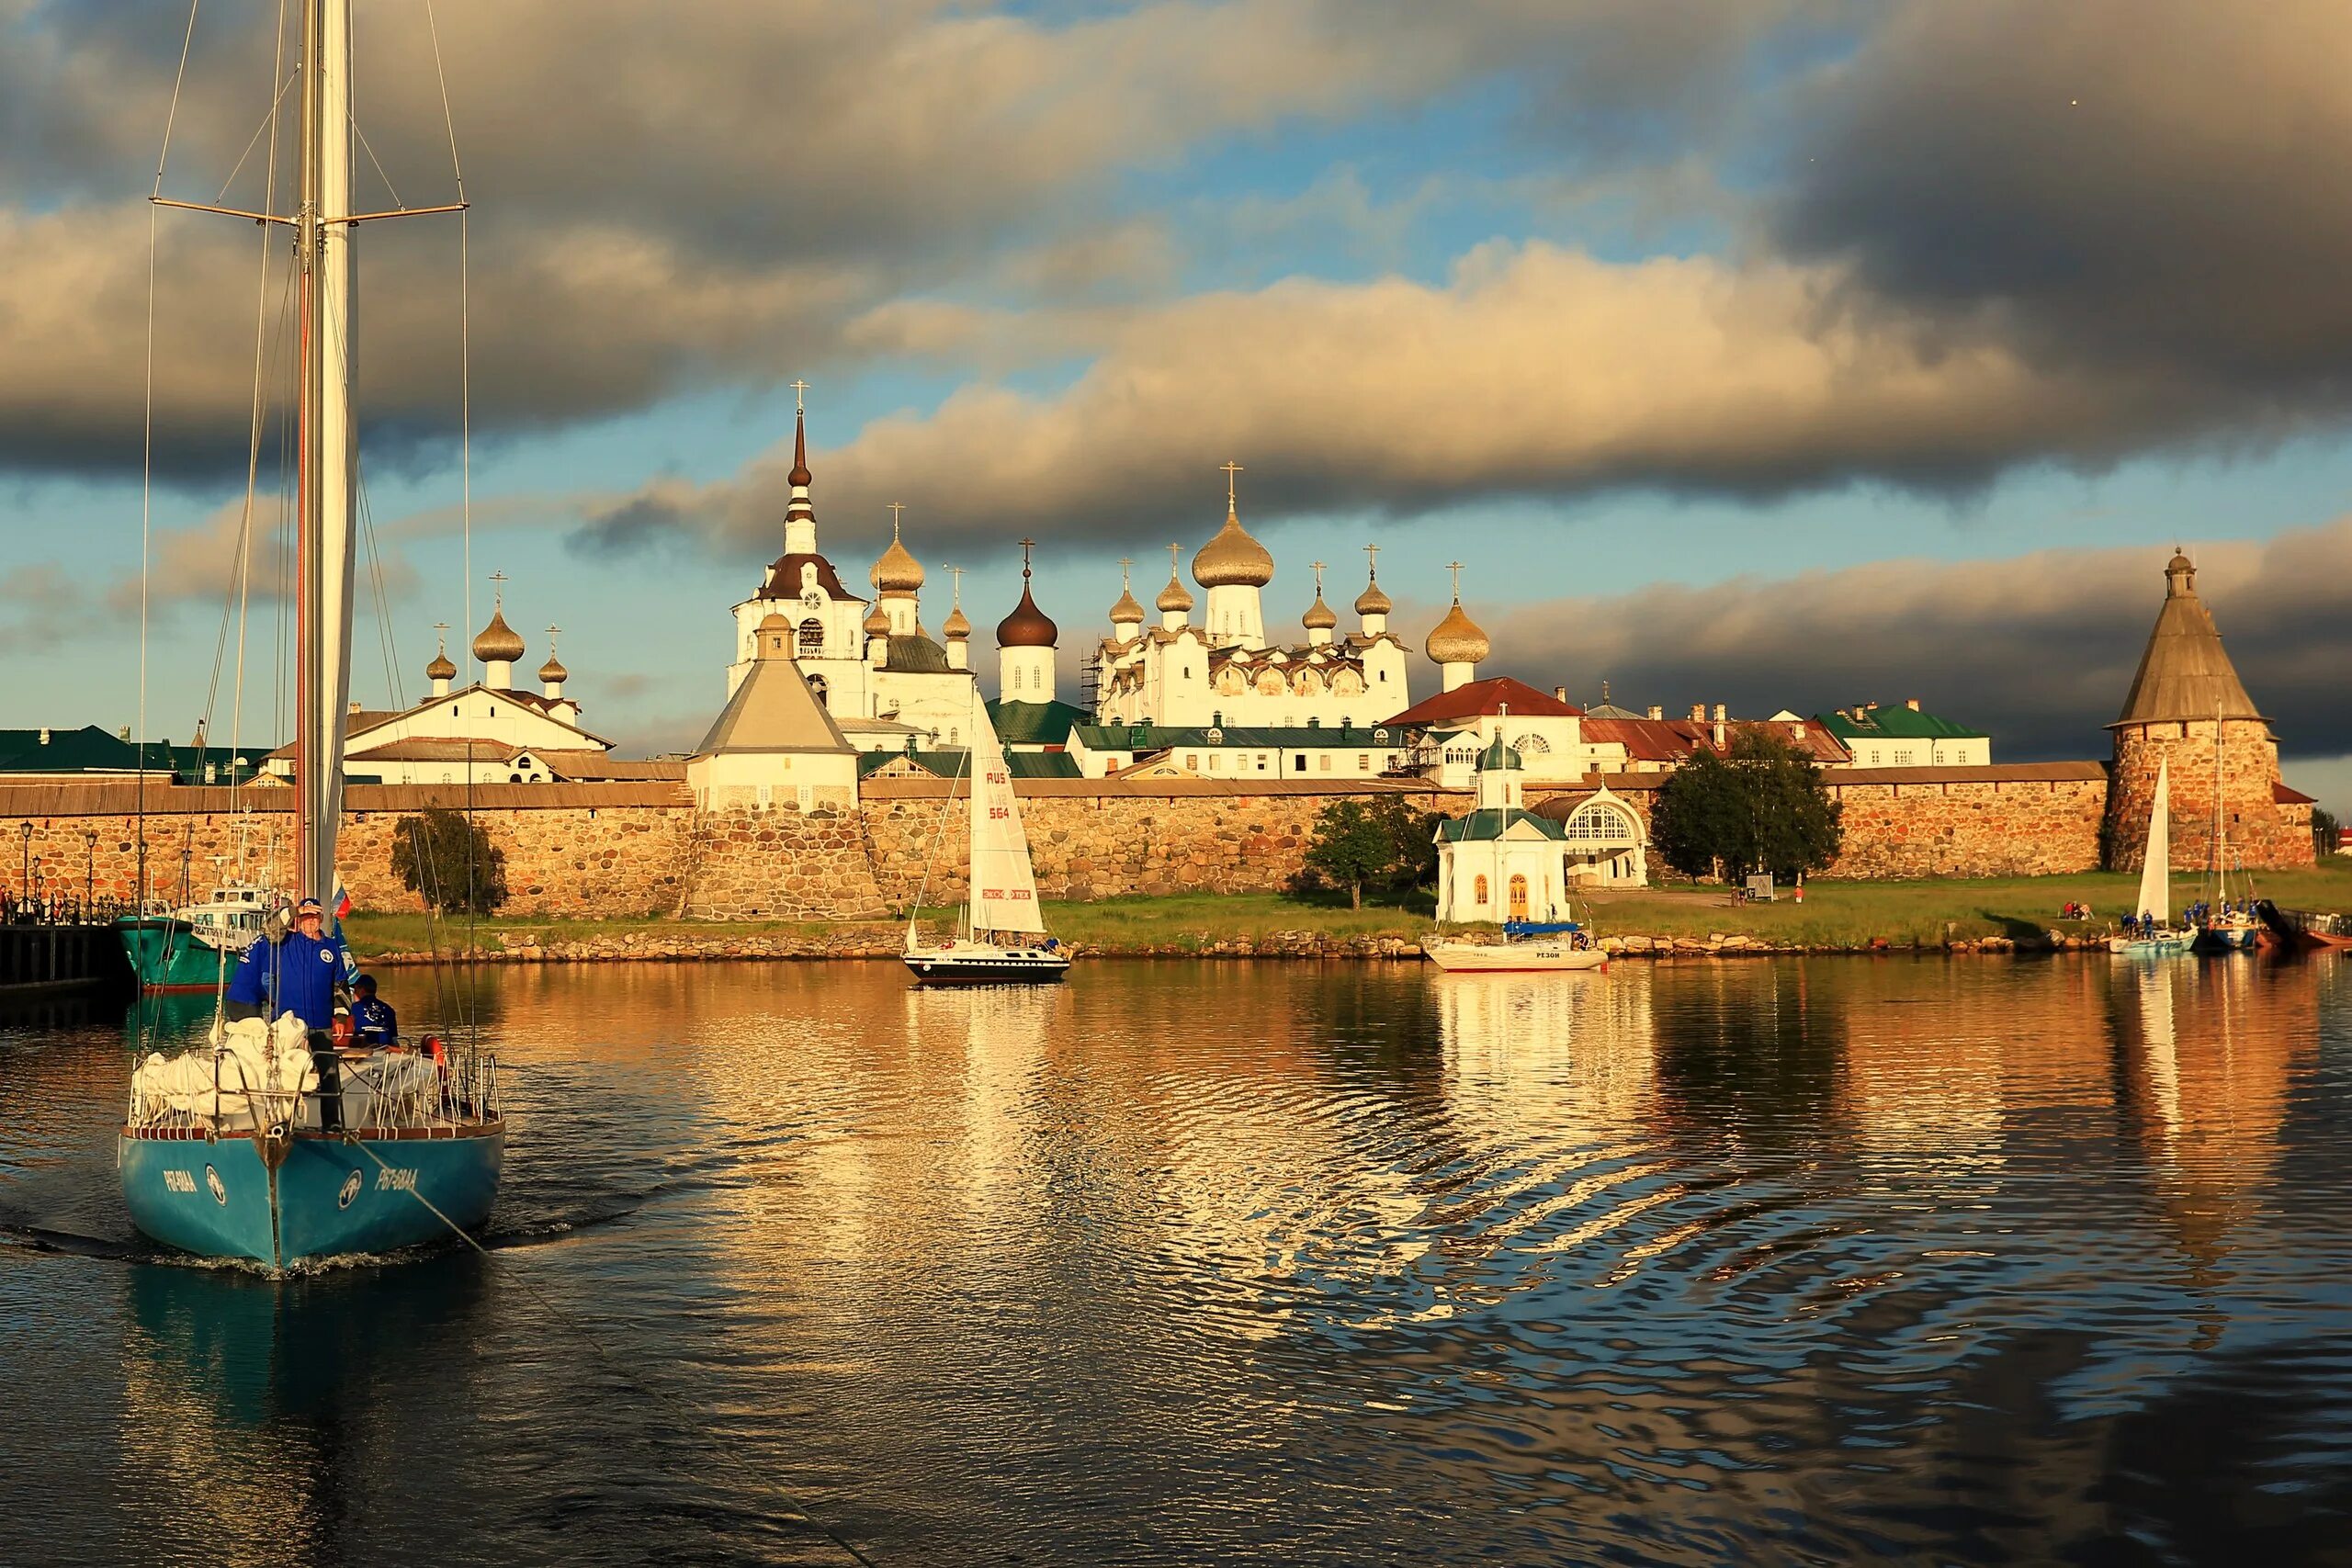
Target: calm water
<point>1932,1261</point>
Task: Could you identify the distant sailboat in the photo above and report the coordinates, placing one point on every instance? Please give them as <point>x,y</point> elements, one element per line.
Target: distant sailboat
<point>2154,907</point>
<point>1002,907</point>
<point>2231,928</point>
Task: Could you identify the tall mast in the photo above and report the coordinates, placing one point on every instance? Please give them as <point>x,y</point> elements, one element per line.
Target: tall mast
<point>329,445</point>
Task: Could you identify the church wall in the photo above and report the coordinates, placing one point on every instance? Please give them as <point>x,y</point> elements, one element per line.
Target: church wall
<point>2261,831</point>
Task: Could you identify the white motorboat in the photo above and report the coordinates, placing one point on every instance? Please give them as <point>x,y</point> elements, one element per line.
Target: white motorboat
<point>1513,957</point>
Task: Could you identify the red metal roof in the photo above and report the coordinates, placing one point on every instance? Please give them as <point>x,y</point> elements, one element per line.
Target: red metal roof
<point>2285,796</point>
<point>1483,699</point>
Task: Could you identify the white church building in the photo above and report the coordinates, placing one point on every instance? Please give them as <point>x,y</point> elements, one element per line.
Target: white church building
<point>1500,862</point>
<point>882,678</point>
<point>1224,671</point>
<point>489,731</point>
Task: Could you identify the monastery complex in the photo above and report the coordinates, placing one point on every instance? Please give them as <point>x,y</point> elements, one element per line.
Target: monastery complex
<point>1200,747</point>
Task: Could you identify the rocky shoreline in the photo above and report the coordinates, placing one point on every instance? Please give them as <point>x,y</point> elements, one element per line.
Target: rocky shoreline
<point>642,947</point>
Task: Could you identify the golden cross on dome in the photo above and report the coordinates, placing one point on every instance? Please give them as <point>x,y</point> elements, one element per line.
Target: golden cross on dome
<point>1456,568</point>
<point>500,592</point>
<point>1372,560</point>
<point>1025,546</point>
<point>443,627</point>
<point>957,573</point>
<point>553,632</point>
<point>799,393</point>
<point>895,508</point>
<point>1175,560</point>
<point>1125,562</point>
<point>1231,469</point>
<point>1317,567</point>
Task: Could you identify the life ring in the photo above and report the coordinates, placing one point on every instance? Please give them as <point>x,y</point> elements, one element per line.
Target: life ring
<point>947,947</point>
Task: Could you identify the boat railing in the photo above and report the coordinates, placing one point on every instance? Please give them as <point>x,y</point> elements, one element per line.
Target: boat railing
<point>210,1090</point>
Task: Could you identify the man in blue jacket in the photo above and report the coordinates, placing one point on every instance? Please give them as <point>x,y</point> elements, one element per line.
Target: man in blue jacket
<point>253,985</point>
<point>311,966</point>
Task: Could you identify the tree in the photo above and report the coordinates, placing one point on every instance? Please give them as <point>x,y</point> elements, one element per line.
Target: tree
<point>449,858</point>
<point>1761,806</point>
<point>1351,847</point>
<point>1412,838</point>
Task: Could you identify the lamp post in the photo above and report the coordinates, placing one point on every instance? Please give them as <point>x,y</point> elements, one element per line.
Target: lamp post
<point>89,868</point>
<point>24,865</point>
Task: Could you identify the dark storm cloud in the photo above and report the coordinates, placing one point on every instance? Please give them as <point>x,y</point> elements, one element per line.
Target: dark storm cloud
<point>2037,650</point>
<point>2150,186</point>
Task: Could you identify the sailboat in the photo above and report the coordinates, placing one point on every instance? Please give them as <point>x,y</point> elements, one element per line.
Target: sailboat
<point>269,1143</point>
<point>2160,938</point>
<point>2230,926</point>
<point>1001,936</point>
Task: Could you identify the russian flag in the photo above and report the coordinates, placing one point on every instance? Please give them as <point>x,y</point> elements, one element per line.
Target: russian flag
<point>342,899</point>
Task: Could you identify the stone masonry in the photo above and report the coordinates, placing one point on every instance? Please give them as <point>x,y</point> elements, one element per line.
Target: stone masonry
<point>2262,832</point>
<point>778,863</point>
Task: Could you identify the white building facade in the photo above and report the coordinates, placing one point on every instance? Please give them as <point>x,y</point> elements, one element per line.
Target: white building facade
<point>1500,862</point>
<point>1225,671</point>
<point>879,674</point>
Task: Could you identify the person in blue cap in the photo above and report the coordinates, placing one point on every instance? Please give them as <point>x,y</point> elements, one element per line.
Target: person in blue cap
<point>373,1018</point>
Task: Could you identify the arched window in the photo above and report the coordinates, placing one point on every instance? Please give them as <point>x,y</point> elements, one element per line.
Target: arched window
<point>812,638</point>
<point>1532,743</point>
<point>1600,822</point>
<point>1478,890</point>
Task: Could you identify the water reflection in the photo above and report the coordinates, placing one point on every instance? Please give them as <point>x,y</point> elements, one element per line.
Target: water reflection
<point>1939,1261</point>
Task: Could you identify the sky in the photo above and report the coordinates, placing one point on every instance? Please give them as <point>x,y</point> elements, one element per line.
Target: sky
<point>1777,353</point>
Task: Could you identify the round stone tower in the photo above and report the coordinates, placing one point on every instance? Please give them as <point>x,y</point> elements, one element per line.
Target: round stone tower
<point>2188,707</point>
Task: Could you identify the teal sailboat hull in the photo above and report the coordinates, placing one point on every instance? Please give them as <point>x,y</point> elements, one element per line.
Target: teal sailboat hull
<point>326,1198</point>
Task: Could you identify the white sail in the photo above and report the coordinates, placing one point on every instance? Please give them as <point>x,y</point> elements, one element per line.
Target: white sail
<point>1004,889</point>
<point>2155,869</point>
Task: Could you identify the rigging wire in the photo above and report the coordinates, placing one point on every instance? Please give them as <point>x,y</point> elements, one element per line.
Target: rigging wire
<point>147,460</point>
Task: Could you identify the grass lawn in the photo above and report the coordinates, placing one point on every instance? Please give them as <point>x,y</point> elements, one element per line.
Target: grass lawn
<point>1834,914</point>
<point>1843,914</point>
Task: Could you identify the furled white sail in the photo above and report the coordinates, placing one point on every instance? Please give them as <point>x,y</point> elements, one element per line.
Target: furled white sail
<point>2155,869</point>
<point>1004,889</point>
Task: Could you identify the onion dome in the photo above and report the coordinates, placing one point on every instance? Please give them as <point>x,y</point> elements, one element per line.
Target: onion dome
<point>1126,611</point>
<point>897,572</point>
<point>441,669</point>
<point>1175,598</point>
<point>1458,640</point>
<point>498,643</point>
<point>1027,626</point>
<point>1372,601</point>
<point>553,670</point>
<point>1232,558</point>
<point>1320,616</point>
<point>958,626</point>
<point>877,623</point>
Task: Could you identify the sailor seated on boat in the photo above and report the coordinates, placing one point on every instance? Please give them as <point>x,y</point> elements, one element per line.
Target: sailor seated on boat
<point>372,1017</point>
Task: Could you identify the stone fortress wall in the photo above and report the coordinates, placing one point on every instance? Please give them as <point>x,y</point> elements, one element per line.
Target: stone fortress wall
<point>614,850</point>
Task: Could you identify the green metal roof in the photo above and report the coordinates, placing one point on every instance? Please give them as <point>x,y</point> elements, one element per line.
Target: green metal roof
<point>1492,822</point>
<point>91,749</point>
<point>1897,723</point>
<point>1035,724</point>
<point>959,764</point>
<point>1159,737</point>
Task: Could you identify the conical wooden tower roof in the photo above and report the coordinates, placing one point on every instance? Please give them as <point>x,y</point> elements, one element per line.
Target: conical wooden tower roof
<point>2185,674</point>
